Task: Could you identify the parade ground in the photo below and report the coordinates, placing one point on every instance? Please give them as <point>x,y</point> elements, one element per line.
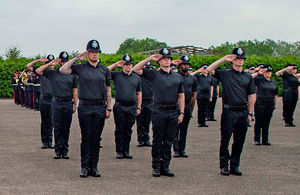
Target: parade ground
<point>25,168</point>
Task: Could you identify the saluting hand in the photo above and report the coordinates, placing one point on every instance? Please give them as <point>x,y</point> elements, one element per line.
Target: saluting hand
<point>43,60</point>
<point>83,56</point>
<point>230,57</point>
<point>120,63</point>
<point>176,62</point>
<point>156,57</point>
<point>54,62</point>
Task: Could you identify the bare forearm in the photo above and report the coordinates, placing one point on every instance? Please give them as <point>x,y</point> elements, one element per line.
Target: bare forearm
<point>251,100</point>
<point>139,99</point>
<point>108,97</point>
<point>41,69</point>
<point>194,73</point>
<point>280,72</point>
<point>75,96</point>
<point>211,69</point>
<point>194,100</point>
<point>31,64</point>
<point>138,69</point>
<point>211,91</point>
<point>66,68</point>
<point>181,100</point>
<point>275,100</point>
<point>111,67</point>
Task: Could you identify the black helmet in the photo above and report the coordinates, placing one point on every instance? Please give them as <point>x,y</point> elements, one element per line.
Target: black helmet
<point>128,59</point>
<point>50,57</point>
<point>185,60</point>
<point>239,52</point>
<point>64,56</point>
<point>268,68</point>
<point>93,45</point>
<point>149,65</point>
<point>166,53</point>
<point>251,68</point>
<point>204,66</point>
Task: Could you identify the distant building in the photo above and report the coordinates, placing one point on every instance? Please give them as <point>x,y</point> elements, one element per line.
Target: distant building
<point>184,50</point>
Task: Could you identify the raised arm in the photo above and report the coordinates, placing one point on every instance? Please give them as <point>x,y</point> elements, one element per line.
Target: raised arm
<point>31,64</point>
<point>280,72</point>
<point>117,64</point>
<point>138,69</point>
<point>211,69</point>
<point>66,68</point>
<point>41,69</point>
<point>197,71</point>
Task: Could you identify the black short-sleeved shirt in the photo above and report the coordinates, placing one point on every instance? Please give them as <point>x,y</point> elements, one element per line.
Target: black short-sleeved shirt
<point>166,86</point>
<point>146,88</point>
<point>204,86</point>
<point>45,83</point>
<point>62,84</point>
<point>215,84</point>
<point>92,80</point>
<point>265,89</point>
<point>290,80</point>
<point>126,86</point>
<point>190,85</point>
<point>236,86</point>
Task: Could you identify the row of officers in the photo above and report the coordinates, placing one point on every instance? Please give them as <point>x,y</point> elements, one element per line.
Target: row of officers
<point>163,97</point>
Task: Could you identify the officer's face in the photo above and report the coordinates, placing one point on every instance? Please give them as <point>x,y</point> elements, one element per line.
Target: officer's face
<point>251,71</point>
<point>127,67</point>
<point>184,67</point>
<point>61,63</point>
<point>190,71</point>
<point>165,62</point>
<point>268,74</point>
<point>93,56</point>
<point>294,71</point>
<point>238,61</point>
<point>205,71</point>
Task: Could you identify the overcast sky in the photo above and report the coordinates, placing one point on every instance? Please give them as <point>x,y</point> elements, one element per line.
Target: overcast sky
<point>51,26</point>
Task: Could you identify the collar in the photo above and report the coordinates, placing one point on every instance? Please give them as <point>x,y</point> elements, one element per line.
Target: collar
<point>237,72</point>
<point>92,65</point>
<point>183,75</point>
<point>125,73</point>
<point>164,72</point>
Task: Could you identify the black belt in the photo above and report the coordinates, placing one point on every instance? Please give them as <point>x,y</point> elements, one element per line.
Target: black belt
<point>147,98</point>
<point>235,107</point>
<point>266,99</point>
<point>91,102</point>
<point>166,106</point>
<point>293,88</point>
<point>46,97</point>
<point>62,99</point>
<point>126,103</point>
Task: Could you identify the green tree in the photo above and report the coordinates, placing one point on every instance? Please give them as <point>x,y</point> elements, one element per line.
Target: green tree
<point>13,52</point>
<point>132,45</point>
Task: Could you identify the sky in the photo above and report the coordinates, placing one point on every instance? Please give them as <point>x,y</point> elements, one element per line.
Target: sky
<point>44,27</point>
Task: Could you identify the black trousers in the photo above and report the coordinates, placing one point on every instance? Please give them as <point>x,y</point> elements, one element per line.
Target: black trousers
<point>203,105</point>
<point>91,121</point>
<point>46,118</point>
<point>212,106</point>
<point>62,118</point>
<point>31,103</point>
<point>36,99</point>
<point>164,132</point>
<point>22,96</point>
<point>124,117</point>
<point>290,103</point>
<point>180,139</point>
<point>232,122</point>
<point>143,121</point>
<point>263,114</point>
<point>283,108</point>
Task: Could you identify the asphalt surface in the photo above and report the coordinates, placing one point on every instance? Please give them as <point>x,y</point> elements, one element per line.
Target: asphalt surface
<point>25,168</point>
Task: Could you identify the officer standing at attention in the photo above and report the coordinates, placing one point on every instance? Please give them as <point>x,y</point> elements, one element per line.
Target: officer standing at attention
<point>212,104</point>
<point>143,120</point>
<point>45,103</point>
<point>128,96</point>
<point>94,103</point>
<point>168,112</point>
<point>204,94</point>
<point>64,90</point>
<point>190,87</point>
<point>36,92</point>
<point>291,95</point>
<point>266,102</point>
<point>238,101</point>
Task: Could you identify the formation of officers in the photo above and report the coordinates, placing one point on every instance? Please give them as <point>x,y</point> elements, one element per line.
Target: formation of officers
<point>144,94</point>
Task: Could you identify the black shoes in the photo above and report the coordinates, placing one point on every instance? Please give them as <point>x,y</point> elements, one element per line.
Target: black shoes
<point>119,155</point>
<point>290,125</point>
<point>65,156</point>
<point>44,145</point>
<point>140,144</point>
<point>184,154</point>
<point>57,155</point>
<point>224,171</point>
<point>235,171</point>
<point>266,143</point>
<point>176,154</point>
<point>257,143</point>
<point>156,172</point>
<point>84,172</point>
<point>212,119</point>
<point>127,155</point>
<point>94,172</point>
<point>166,172</point>
<point>148,143</point>
<point>202,125</point>
<point>50,145</point>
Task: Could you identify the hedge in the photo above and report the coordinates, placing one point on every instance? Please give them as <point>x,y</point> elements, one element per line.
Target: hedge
<point>8,67</point>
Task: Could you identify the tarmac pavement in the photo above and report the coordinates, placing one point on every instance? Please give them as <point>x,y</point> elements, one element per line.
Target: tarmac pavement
<point>25,168</point>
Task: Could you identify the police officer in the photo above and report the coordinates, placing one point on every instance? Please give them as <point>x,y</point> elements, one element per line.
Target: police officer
<point>45,103</point>
<point>190,87</point>
<point>204,94</point>
<point>238,101</point>
<point>94,103</point>
<point>266,102</point>
<point>212,103</point>
<point>251,69</point>
<point>168,90</point>
<point>190,71</point>
<point>128,96</point>
<point>36,92</point>
<point>64,90</point>
<point>291,95</point>
<point>144,118</point>
<point>14,81</point>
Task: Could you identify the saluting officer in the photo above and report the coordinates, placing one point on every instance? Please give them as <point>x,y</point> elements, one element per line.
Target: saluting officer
<point>45,103</point>
<point>128,96</point>
<point>94,103</point>
<point>291,95</point>
<point>204,94</point>
<point>238,101</point>
<point>64,90</point>
<point>144,118</point>
<point>190,88</point>
<point>266,102</point>
<point>168,90</point>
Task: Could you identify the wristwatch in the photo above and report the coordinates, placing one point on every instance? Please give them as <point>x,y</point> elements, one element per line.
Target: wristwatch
<point>139,108</point>
<point>181,112</point>
<point>109,110</point>
<point>250,114</point>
